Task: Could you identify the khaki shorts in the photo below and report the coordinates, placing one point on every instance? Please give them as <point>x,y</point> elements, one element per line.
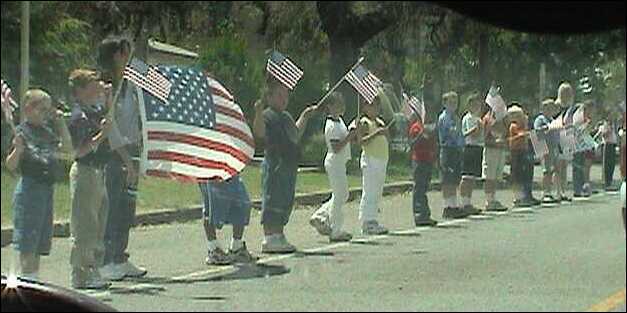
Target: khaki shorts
<point>493,163</point>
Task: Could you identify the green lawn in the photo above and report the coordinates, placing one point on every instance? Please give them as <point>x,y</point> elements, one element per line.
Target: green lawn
<point>159,194</point>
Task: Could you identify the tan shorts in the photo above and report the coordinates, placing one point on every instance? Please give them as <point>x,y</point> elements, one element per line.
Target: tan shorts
<point>493,163</point>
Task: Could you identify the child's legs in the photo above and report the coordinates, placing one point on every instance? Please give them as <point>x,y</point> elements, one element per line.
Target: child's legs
<point>563,177</point>
<point>609,163</point>
<point>279,187</point>
<point>87,197</point>
<point>339,185</point>
<point>466,187</point>
<point>373,171</point>
<point>422,179</point>
<point>29,264</point>
<point>493,163</point>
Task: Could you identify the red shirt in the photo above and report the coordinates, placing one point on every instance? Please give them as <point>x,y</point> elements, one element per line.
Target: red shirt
<point>425,149</point>
<point>517,137</point>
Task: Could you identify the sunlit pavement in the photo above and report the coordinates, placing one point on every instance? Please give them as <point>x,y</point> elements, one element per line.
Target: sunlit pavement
<point>568,258</point>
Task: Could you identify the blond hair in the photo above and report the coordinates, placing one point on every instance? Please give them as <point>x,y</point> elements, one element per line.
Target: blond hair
<point>565,94</point>
<point>35,97</point>
<point>450,95</point>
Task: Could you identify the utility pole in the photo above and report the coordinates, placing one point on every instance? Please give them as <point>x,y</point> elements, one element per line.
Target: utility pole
<point>25,50</point>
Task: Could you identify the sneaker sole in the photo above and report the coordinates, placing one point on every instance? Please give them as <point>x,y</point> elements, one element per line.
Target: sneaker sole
<point>320,227</point>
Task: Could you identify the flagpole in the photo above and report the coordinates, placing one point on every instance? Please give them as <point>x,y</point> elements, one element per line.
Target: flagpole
<point>339,82</point>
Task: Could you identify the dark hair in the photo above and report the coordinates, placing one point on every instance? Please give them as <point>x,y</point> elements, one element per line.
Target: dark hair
<point>108,48</point>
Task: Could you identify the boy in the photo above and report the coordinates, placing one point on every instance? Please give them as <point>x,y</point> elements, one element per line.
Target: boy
<point>609,143</point>
<point>226,203</point>
<point>550,161</point>
<point>451,151</point>
<point>282,137</point>
<point>37,148</point>
<point>424,147</point>
<point>494,158</point>
<point>473,152</point>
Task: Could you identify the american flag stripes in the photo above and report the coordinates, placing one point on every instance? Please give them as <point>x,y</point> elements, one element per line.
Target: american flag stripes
<point>496,103</point>
<point>366,84</point>
<point>148,78</point>
<point>284,70</point>
<point>413,105</point>
<point>540,147</point>
<point>199,134</point>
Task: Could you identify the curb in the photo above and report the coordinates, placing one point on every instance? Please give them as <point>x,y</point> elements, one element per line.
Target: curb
<point>62,229</point>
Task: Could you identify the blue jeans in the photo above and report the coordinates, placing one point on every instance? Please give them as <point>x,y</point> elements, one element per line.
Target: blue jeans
<point>579,165</point>
<point>122,208</point>
<point>609,164</point>
<point>422,179</point>
<point>32,216</point>
<point>278,178</point>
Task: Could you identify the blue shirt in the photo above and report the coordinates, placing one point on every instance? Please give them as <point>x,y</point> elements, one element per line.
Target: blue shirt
<point>450,130</point>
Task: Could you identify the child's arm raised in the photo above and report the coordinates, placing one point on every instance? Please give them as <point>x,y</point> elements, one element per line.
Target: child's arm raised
<point>301,124</point>
<point>14,158</point>
<point>66,149</point>
<point>259,124</point>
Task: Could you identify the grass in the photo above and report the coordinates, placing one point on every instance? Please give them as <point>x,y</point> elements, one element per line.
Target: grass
<point>159,194</point>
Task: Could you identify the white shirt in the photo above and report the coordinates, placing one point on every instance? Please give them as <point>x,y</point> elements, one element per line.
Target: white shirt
<point>469,122</point>
<point>336,130</point>
<point>612,138</point>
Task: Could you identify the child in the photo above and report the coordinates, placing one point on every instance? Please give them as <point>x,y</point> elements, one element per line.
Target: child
<point>494,158</point>
<point>328,220</point>
<point>374,160</point>
<point>550,161</point>
<point>226,203</point>
<point>37,149</point>
<point>609,143</point>
<point>282,137</point>
<point>566,102</point>
<point>473,152</point>
<point>581,184</point>
<point>451,152</point>
<point>623,165</point>
<point>424,147</point>
<point>521,157</point>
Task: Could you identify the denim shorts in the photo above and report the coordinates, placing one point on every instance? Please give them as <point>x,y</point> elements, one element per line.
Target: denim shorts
<point>33,216</point>
<point>451,164</point>
<point>226,203</point>
<point>278,188</point>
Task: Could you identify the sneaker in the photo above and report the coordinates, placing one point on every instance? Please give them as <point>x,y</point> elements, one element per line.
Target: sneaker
<point>217,257</point>
<point>580,196</point>
<point>612,189</point>
<point>549,200</point>
<point>321,225</point>
<point>112,272</point>
<point>470,210</point>
<point>341,237</point>
<point>372,228</point>
<point>278,245</point>
<point>523,203</point>
<point>133,271</point>
<point>566,199</point>
<point>426,223</point>
<point>242,256</point>
<point>91,281</point>
<point>535,202</point>
<point>496,206</point>
<point>453,213</point>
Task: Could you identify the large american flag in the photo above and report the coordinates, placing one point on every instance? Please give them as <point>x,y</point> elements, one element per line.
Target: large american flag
<point>284,70</point>
<point>199,134</point>
<point>9,105</point>
<point>366,84</point>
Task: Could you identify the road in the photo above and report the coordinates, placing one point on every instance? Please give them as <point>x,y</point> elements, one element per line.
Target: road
<point>567,258</point>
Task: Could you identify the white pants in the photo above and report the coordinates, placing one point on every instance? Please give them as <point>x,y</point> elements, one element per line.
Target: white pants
<point>336,171</point>
<point>373,172</point>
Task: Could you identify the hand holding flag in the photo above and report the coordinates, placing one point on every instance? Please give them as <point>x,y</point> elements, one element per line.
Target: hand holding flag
<point>496,103</point>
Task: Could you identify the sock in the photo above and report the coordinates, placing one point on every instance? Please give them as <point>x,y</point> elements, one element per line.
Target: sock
<point>465,201</point>
<point>236,244</point>
<point>213,245</point>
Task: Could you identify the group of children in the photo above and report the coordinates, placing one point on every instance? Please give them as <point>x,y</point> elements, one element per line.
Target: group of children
<point>469,148</point>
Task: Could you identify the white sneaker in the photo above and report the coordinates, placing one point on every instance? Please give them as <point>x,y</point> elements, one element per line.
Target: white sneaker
<point>321,225</point>
<point>132,271</point>
<point>95,282</point>
<point>112,272</point>
<point>373,228</point>
<point>277,245</point>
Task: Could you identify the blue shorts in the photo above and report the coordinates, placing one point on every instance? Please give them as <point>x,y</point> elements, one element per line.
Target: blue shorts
<point>226,203</point>
<point>451,164</point>
<point>33,216</point>
<point>279,189</point>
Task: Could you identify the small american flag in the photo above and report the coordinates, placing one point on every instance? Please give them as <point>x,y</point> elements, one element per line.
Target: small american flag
<point>9,106</point>
<point>496,103</point>
<point>199,134</point>
<point>366,84</point>
<point>539,144</point>
<point>149,79</point>
<point>284,70</point>
<point>413,106</point>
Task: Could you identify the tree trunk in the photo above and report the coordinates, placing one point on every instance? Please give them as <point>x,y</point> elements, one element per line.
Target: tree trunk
<point>343,54</point>
<point>483,60</point>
